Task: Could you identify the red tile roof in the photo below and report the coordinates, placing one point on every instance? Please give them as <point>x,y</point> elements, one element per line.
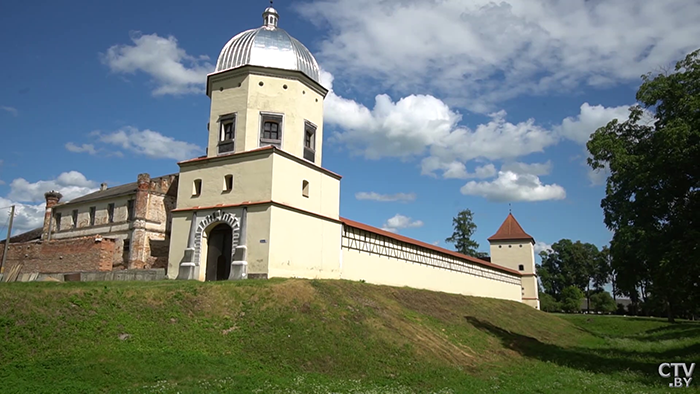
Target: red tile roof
<point>415,242</point>
<point>510,230</point>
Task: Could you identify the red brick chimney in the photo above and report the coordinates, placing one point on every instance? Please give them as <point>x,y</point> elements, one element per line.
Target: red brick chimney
<point>52,198</point>
<point>141,203</point>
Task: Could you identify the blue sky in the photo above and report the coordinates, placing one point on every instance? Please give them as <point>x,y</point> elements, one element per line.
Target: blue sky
<point>435,106</point>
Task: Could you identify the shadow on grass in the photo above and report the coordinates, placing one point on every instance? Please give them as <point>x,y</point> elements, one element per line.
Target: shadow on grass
<point>606,361</point>
<point>676,331</point>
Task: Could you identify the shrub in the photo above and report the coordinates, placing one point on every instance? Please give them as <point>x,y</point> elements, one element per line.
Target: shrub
<point>549,303</point>
<point>571,299</point>
<point>603,302</point>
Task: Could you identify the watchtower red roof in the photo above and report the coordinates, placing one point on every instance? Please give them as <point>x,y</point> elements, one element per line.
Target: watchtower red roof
<point>510,230</point>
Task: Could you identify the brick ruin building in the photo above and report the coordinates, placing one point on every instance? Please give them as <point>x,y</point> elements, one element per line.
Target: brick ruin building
<point>113,228</point>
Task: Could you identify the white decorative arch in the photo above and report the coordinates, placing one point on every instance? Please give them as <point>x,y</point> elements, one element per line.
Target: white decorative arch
<point>205,223</point>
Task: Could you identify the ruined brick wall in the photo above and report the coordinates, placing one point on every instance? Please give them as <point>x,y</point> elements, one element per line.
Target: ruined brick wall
<point>159,250</point>
<point>71,255</point>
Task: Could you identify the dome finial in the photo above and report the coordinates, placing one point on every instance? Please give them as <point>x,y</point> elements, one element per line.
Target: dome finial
<point>270,17</point>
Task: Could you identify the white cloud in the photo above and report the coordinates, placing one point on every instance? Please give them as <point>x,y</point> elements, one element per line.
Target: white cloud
<point>71,184</point>
<point>29,202</point>
<point>27,216</point>
<point>478,53</point>
<point>536,169</point>
<point>419,125</point>
<point>455,169</point>
<point>542,246</point>
<point>509,186</point>
<point>11,110</point>
<point>598,177</point>
<point>398,222</point>
<point>590,119</point>
<point>150,143</point>
<point>373,196</point>
<point>88,148</point>
<point>172,70</point>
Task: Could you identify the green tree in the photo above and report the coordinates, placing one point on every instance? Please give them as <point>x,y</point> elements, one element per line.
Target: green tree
<point>652,201</point>
<point>603,302</point>
<point>567,264</point>
<point>464,229</point>
<point>571,298</point>
<point>549,303</point>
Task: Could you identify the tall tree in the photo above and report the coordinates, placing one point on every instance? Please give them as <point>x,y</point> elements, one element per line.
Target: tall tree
<point>464,229</point>
<point>567,264</point>
<point>604,272</point>
<point>652,200</point>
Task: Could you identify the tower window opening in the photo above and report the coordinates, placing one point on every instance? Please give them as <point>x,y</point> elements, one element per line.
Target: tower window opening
<point>130,210</point>
<point>271,132</point>
<point>228,183</point>
<point>196,188</point>
<point>75,218</point>
<point>310,142</point>
<point>227,133</point>
<point>521,267</point>
<point>305,188</point>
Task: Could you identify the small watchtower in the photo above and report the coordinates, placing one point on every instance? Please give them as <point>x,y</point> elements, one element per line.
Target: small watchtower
<point>513,248</point>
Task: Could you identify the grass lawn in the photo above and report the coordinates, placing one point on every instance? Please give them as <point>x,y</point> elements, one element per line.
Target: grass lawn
<point>301,336</point>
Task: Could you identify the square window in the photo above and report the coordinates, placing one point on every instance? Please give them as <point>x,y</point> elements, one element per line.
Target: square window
<point>227,133</point>
<point>271,130</point>
<point>309,142</point>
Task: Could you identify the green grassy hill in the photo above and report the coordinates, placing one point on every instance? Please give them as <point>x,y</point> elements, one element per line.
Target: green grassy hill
<point>300,336</point>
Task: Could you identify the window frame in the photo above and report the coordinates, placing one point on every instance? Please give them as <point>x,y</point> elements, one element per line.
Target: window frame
<point>224,120</point>
<point>305,187</point>
<point>266,117</point>
<point>228,183</point>
<point>196,187</point>
<point>310,149</point>
<point>130,210</point>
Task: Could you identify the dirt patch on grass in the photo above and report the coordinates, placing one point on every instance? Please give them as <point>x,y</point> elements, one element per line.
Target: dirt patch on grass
<point>292,292</point>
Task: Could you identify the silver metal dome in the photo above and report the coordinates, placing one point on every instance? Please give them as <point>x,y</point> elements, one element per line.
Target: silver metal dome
<point>268,46</point>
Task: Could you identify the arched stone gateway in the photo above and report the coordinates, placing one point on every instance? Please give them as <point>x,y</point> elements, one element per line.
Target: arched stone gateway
<point>229,218</point>
<point>193,265</point>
